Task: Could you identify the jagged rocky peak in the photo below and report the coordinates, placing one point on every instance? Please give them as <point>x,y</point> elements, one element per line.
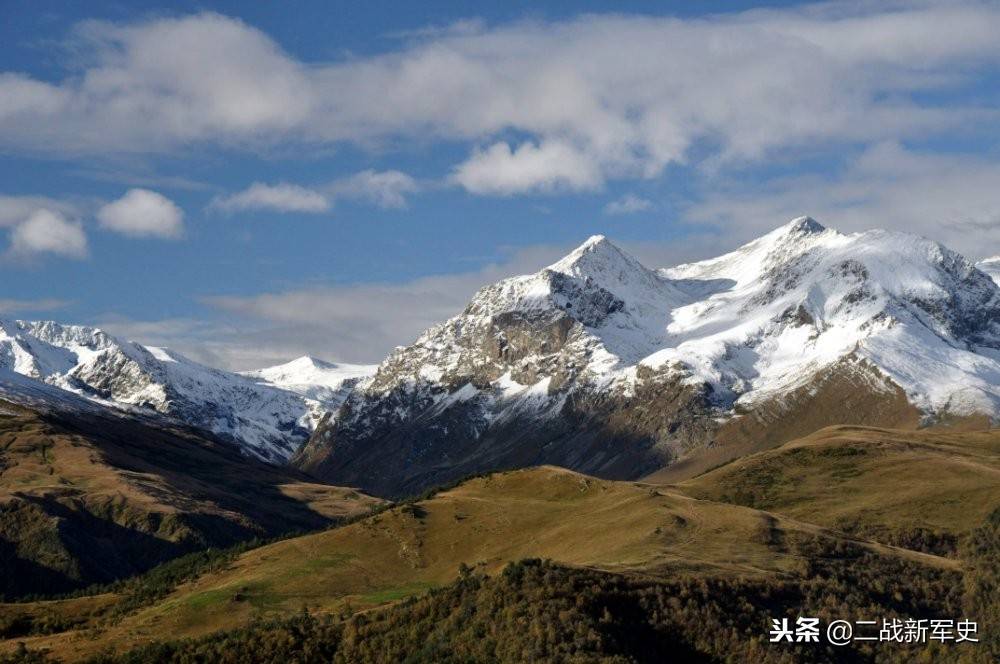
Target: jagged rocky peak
<point>805,225</point>
<point>591,285</point>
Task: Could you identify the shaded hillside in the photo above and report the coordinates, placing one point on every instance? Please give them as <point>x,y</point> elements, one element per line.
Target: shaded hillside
<point>88,497</point>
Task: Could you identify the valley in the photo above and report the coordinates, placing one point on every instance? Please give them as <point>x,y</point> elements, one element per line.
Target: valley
<point>92,496</point>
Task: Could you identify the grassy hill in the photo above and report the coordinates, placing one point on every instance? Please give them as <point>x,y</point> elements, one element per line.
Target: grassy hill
<point>626,528</point>
<point>92,498</point>
<point>922,490</point>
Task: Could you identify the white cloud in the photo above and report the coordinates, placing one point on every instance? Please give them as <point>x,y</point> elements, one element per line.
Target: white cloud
<point>614,96</point>
<point>628,204</point>
<point>281,197</point>
<point>549,167</point>
<point>45,231</point>
<point>143,213</point>
<point>952,199</point>
<point>387,189</point>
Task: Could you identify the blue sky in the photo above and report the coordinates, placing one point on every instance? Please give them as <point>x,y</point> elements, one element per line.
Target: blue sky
<point>248,182</point>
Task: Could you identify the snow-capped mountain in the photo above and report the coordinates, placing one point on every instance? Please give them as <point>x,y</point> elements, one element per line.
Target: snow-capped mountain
<point>603,365</point>
<point>324,382</point>
<point>269,412</point>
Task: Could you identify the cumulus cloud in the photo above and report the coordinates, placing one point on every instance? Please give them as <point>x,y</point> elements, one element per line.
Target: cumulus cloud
<point>15,209</point>
<point>45,231</point>
<point>143,213</point>
<point>628,204</point>
<point>549,167</point>
<point>281,197</point>
<point>590,98</point>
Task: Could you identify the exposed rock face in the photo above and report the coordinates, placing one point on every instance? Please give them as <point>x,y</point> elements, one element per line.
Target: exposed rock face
<point>601,365</point>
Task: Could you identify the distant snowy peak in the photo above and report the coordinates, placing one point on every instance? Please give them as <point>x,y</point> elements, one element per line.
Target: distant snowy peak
<point>756,259</point>
<point>313,378</point>
<point>269,415</point>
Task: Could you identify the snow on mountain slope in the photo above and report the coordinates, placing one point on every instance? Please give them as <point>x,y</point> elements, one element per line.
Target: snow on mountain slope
<point>268,419</point>
<point>597,340</point>
<point>803,296</point>
<point>325,382</point>
<point>751,323</point>
<point>520,331</point>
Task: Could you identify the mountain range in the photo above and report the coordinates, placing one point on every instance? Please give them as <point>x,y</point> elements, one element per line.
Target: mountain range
<point>595,363</point>
<point>600,364</point>
<point>267,413</point>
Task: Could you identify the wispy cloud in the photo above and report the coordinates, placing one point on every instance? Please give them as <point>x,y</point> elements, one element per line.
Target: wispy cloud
<point>628,204</point>
<point>950,198</point>
<point>280,197</point>
<point>386,189</point>
<point>8,305</point>
<point>355,323</point>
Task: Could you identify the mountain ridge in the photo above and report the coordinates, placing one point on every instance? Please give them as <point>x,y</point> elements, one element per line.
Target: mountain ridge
<point>266,413</point>
<point>608,367</point>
